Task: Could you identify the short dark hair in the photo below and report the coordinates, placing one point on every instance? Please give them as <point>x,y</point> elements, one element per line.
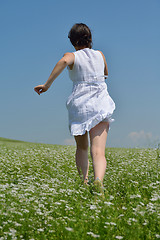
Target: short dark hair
<point>80,35</point>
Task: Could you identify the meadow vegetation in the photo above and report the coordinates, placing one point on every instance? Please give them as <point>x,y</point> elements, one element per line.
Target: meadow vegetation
<point>42,196</point>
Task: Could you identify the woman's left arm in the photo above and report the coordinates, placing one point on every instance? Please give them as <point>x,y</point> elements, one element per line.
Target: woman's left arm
<point>105,64</point>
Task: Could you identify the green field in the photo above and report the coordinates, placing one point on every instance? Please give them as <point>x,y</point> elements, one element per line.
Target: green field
<point>42,197</point>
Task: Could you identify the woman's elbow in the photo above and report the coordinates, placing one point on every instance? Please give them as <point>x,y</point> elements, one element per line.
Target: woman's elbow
<point>64,61</point>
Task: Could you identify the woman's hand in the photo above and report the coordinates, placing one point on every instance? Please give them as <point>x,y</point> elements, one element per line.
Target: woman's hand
<point>40,89</point>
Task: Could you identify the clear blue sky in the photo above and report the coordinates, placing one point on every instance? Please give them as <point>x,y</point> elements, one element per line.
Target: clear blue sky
<point>34,37</point>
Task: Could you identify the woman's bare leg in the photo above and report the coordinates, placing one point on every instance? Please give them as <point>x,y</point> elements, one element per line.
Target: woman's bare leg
<point>82,156</point>
<point>98,137</point>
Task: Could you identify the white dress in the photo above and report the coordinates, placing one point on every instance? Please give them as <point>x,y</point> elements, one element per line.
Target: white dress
<point>89,102</point>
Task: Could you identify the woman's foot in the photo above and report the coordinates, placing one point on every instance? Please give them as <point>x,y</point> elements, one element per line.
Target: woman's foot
<point>98,188</point>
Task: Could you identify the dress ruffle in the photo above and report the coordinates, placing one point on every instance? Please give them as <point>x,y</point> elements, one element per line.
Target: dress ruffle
<point>77,129</point>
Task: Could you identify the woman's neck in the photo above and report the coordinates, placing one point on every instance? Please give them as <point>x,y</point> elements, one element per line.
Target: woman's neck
<point>79,48</point>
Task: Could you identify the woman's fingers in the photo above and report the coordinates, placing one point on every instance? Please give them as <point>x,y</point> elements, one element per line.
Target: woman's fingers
<point>39,89</point>
<point>36,89</point>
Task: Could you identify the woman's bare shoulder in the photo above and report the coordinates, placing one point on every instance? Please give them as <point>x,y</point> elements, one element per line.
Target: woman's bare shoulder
<point>69,58</point>
<point>69,54</point>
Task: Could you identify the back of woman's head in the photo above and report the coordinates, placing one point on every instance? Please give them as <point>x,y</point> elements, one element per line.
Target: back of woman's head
<point>80,35</point>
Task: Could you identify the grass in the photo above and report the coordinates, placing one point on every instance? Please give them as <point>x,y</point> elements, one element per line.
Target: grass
<point>42,197</point>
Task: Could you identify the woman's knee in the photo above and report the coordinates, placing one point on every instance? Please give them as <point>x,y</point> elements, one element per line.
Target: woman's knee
<point>97,152</point>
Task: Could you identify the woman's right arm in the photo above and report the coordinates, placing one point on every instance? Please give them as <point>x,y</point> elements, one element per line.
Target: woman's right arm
<point>66,60</point>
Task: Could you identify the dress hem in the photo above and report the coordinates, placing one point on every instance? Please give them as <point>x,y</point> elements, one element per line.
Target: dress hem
<point>81,130</point>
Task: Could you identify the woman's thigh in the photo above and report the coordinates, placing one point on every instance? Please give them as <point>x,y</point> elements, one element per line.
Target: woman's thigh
<point>98,137</point>
<point>82,141</point>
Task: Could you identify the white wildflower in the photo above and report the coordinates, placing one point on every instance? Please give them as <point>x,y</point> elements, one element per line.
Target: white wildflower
<point>119,237</point>
<point>124,208</point>
<point>18,224</point>
<point>107,223</point>
<point>13,231</point>
<point>112,223</point>
<point>25,210</point>
<point>57,203</point>
<point>93,207</point>
<point>108,203</point>
<point>93,235</point>
<point>155,197</point>
<point>135,196</point>
<point>157,236</point>
<point>145,223</point>
<point>40,230</point>
<point>111,197</point>
<point>69,229</point>
<point>131,220</point>
<point>142,213</point>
